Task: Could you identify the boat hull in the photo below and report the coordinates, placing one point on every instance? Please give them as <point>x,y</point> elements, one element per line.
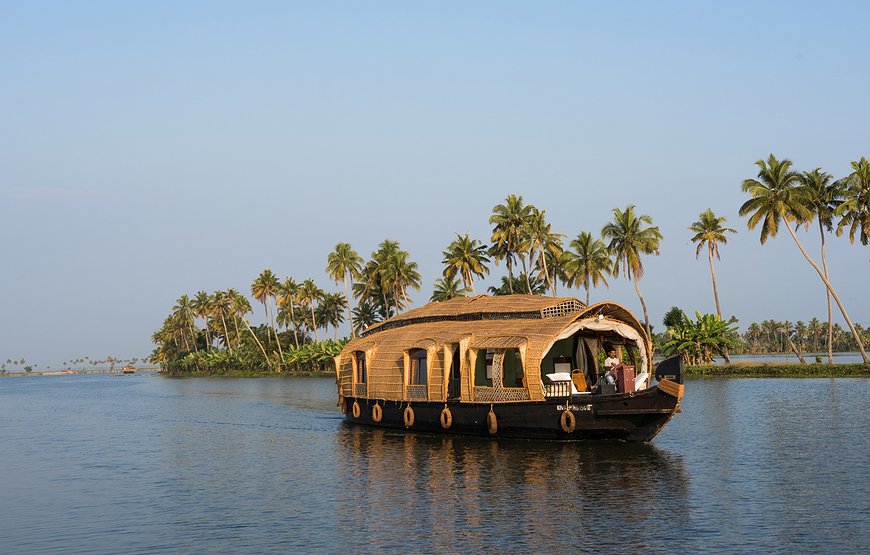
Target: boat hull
<point>638,416</point>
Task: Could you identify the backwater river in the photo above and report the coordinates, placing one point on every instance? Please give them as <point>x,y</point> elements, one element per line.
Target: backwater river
<point>147,464</point>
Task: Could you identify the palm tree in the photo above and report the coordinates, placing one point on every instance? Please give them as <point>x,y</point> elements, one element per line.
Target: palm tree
<point>201,307</point>
<point>397,273</point>
<point>330,311</point>
<point>509,220</point>
<point>541,241</point>
<point>364,315</point>
<point>467,257</point>
<point>309,294</point>
<point>629,239</point>
<point>855,210</point>
<point>447,288</point>
<point>239,306</point>
<point>776,196</point>
<point>709,232</point>
<point>222,303</point>
<point>184,310</point>
<point>286,298</point>
<point>264,288</point>
<point>588,262</point>
<point>823,197</point>
<point>344,263</point>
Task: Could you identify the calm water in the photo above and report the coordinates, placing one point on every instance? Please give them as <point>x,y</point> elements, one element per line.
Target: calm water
<point>146,464</point>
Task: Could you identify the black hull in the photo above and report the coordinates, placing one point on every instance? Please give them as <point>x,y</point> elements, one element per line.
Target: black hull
<point>638,416</point>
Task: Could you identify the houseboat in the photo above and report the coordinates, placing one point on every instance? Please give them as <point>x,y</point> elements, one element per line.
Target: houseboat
<point>519,366</point>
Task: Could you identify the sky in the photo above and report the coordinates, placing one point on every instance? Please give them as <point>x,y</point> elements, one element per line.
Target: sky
<point>153,149</point>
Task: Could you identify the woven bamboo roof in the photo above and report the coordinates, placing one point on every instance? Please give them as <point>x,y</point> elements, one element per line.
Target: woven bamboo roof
<point>484,307</point>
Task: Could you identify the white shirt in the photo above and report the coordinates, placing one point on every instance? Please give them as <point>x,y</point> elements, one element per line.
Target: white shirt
<point>610,362</point>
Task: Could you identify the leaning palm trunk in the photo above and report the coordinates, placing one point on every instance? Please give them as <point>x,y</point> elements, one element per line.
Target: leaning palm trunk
<point>314,323</point>
<point>236,326</point>
<point>716,296</point>
<point>828,295</point>
<point>260,345</point>
<point>526,272</point>
<point>794,349</point>
<point>346,298</point>
<point>275,331</point>
<point>226,332</point>
<point>510,273</point>
<point>295,328</point>
<point>832,292</point>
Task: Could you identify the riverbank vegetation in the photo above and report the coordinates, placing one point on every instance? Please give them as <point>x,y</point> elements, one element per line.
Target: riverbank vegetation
<point>212,333</point>
<point>778,370</point>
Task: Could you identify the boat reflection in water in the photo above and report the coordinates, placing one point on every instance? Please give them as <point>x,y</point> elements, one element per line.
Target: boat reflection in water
<point>466,494</point>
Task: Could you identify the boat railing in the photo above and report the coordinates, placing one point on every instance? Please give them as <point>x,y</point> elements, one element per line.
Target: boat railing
<point>360,390</point>
<point>558,388</point>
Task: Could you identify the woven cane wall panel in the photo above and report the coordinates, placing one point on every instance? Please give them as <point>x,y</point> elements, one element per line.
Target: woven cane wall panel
<point>435,362</point>
<point>345,377</point>
<point>417,392</point>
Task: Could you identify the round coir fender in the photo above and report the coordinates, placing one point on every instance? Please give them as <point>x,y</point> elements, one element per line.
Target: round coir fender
<point>356,410</point>
<point>408,416</point>
<point>446,418</point>
<point>568,421</point>
<point>377,413</point>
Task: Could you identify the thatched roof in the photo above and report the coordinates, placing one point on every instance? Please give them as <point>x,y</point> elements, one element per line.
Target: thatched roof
<point>484,307</point>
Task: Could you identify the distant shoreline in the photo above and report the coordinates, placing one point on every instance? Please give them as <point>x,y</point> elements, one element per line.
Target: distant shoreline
<point>779,370</point>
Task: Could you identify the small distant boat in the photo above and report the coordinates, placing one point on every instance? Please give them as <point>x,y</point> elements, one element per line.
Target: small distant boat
<point>128,370</point>
<point>509,366</point>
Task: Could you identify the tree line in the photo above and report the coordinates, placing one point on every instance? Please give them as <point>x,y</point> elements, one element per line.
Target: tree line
<point>537,261</point>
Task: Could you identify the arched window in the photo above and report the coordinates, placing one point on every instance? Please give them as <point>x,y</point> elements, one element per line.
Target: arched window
<point>360,359</point>
<point>417,373</point>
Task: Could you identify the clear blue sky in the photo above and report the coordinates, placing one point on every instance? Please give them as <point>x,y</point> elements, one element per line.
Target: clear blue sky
<point>151,149</point>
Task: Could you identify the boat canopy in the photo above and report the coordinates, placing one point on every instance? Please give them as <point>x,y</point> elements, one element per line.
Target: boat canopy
<point>496,348</point>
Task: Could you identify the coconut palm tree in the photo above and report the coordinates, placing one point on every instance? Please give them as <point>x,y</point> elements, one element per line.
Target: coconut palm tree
<point>629,239</point>
<point>330,311</point>
<point>222,304</point>
<point>344,264</point>
<point>467,257</point>
<point>709,232</point>
<point>588,262</point>
<point>823,197</point>
<point>184,311</point>
<point>364,315</point>
<point>447,288</point>
<point>264,288</point>
<point>238,306</point>
<point>309,294</point>
<point>201,306</point>
<point>509,221</point>
<point>855,210</point>
<point>397,273</point>
<point>541,241</point>
<point>287,295</point>
<point>776,196</point>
